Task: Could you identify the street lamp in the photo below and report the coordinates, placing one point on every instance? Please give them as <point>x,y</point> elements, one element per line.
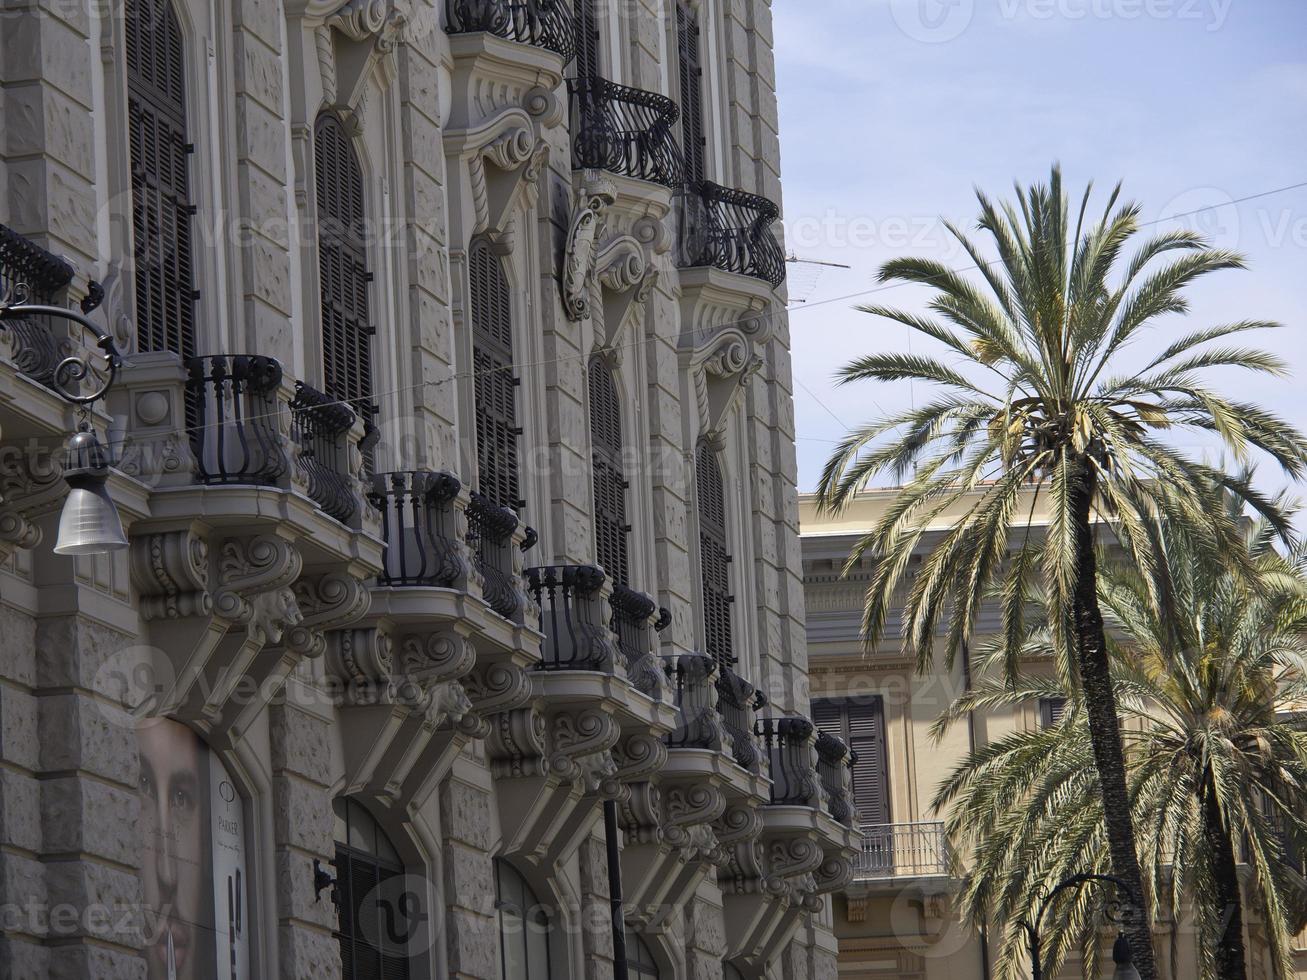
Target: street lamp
<point>89,523</point>
<point>1129,905</point>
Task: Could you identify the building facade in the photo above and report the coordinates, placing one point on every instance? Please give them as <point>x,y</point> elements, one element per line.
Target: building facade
<point>453,440</point>
<point>898,916</point>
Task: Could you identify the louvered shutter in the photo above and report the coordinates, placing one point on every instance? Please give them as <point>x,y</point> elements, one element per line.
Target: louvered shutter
<point>609,475</point>
<point>691,77</point>
<point>363,920</point>
<point>714,558</point>
<point>861,723</point>
<point>342,266</point>
<point>494,384</point>
<point>164,277</point>
<point>587,39</point>
<point>1051,711</point>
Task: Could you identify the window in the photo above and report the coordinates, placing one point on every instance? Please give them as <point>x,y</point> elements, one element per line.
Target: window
<point>609,482</point>
<point>714,557</point>
<point>1051,711</point>
<point>861,723</point>
<point>164,278</point>
<point>494,385</point>
<point>587,39</point>
<point>639,959</point>
<point>342,266</point>
<point>691,76</point>
<point>523,926</point>
<point>375,910</point>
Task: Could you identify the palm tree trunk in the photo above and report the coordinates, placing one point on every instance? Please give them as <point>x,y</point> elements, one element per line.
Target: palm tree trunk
<point>1230,957</point>
<point>1104,726</point>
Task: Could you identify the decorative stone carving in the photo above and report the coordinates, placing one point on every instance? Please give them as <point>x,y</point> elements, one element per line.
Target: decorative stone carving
<point>597,194</point>
<point>516,743</point>
<point>578,740</point>
<point>332,601</point>
<point>362,661</point>
<point>31,484</point>
<point>360,20</point>
<point>171,573</point>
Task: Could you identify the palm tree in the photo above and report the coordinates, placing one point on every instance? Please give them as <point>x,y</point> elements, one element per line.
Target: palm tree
<point>1208,666</point>
<point>1040,394</point>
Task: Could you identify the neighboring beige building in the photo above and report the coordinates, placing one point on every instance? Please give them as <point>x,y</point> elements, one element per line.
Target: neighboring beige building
<point>428,311</point>
<point>898,918</point>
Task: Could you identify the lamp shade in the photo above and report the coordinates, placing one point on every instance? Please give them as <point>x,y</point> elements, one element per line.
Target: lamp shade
<point>89,523</point>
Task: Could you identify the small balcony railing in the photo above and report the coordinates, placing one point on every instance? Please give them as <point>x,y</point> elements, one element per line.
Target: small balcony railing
<point>319,429</point>
<point>30,274</point>
<point>731,230</point>
<point>835,770</point>
<point>738,703</point>
<point>903,850</point>
<point>634,626</point>
<point>548,24</point>
<point>694,681</point>
<point>571,600</point>
<point>419,524</point>
<point>789,744</point>
<point>231,407</point>
<point>625,131</point>
<point>489,539</point>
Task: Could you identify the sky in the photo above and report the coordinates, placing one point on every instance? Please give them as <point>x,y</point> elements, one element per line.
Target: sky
<point>893,111</point>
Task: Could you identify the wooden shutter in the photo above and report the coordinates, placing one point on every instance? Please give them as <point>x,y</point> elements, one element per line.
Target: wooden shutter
<point>691,77</point>
<point>609,475</point>
<point>164,277</point>
<point>363,917</point>
<point>1051,711</point>
<point>714,558</point>
<point>494,385</point>
<point>861,723</point>
<point>587,39</point>
<point>342,266</point>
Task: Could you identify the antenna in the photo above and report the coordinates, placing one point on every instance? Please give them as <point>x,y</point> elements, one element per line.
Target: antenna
<point>808,283</point>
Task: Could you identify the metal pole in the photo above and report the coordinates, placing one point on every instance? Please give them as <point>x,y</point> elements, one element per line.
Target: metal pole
<point>615,890</point>
<point>1036,955</point>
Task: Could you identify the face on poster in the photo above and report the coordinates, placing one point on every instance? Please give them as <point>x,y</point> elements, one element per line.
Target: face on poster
<point>193,859</point>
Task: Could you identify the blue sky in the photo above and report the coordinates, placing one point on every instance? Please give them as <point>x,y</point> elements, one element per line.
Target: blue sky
<point>891,110</point>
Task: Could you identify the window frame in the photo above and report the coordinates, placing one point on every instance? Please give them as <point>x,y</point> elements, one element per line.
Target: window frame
<point>347,857</point>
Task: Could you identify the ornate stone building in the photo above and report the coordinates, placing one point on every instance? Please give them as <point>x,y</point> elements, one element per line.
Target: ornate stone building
<point>453,440</point>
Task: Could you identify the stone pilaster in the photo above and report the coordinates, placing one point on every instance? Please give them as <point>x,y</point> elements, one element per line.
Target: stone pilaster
<point>470,919</point>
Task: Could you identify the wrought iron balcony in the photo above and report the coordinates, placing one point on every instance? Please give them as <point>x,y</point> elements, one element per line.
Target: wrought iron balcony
<point>232,411</point>
<point>730,230</point>
<point>625,131</point>
<point>699,726</point>
<point>31,274</point>
<point>319,429</point>
<point>835,769</point>
<point>634,626</point>
<point>789,744</point>
<point>571,600</point>
<point>419,523</point>
<point>490,531</point>
<point>903,850</point>
<point>548,24</point>
<point>738,702</point>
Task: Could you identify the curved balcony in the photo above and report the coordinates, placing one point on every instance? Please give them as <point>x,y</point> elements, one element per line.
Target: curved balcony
<point>32,275</point>
<point>231,408</point>
<point>789,745</point>
<point>625,131</point>
<point>419,525</point>
<point>319,427</point>
<point>571,600</point>
<point>490,531</point>
<point>548,24</point>
<point>731,230</point>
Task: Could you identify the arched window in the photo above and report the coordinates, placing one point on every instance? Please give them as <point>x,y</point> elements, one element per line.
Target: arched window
<point>714,556</point>
<point>639,959</point>
<point>523,926</point>
<point>494,384</point>
<point>161,199</point>
<point>376,912</point>
<point>609,474</point>
<point>343,275</point>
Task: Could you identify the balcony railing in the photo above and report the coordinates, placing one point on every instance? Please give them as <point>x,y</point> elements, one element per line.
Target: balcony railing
<point>548,24</point>
<point>625,131</point>
<point>571,600</point>
<point>320,428</point>
<point>738,702</point>
<point>419,523</point>
<point>790,744</point>
<point>28,273</point>
<point>231,406</point>
<point>903,850</point>
<point>490,540</point>
<point>699,726</point>
<point>731,230</point>
<point>835,770</point>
